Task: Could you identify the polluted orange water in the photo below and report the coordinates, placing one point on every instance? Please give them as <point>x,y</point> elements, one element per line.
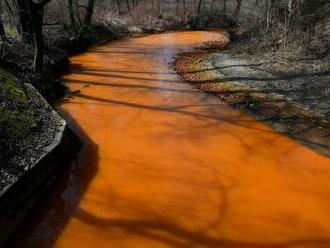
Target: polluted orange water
<point>165,165</point>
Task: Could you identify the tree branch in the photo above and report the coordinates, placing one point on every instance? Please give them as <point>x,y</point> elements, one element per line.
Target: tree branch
<point>41,3</point>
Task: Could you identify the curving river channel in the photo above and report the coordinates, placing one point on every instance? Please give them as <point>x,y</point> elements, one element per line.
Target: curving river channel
<point>165,165</point>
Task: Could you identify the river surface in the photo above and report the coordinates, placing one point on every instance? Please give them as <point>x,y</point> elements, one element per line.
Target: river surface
<point>165,165</point>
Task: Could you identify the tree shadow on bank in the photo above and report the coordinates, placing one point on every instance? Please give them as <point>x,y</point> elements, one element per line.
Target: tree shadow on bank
<point>52,212</point>
<point>292,103</point>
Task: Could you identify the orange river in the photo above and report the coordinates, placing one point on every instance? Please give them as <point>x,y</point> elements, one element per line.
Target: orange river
<point>165,165</point>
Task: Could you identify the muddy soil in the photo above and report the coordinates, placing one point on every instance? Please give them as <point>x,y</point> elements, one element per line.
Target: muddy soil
<point>293,102</point>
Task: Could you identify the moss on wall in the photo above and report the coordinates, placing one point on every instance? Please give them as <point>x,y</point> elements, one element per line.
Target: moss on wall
<point>16,116</point>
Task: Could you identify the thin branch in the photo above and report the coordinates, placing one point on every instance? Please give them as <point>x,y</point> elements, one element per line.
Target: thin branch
<point>51,24</point>
<point>41,3</point>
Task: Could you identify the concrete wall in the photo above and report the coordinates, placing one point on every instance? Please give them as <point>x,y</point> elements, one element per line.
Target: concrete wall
<point>17,199</point>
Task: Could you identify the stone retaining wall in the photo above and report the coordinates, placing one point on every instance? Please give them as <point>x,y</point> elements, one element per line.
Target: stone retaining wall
<point>18,198</point>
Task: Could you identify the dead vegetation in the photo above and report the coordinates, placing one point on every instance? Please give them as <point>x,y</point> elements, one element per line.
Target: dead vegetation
<point>268,97</point>
<point>276,67</point>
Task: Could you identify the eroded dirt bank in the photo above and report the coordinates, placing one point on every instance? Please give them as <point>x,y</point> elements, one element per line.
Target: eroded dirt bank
<point>295,103</point>
<point>166,165</point>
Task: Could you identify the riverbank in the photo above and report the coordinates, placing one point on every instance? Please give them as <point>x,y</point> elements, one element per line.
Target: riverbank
<point>292,98</point>
<point>153,145</point>
<point>29,125</point>
<point>41,145</point>
<point>23,116</point>
<point>59,45</point>
<point>16,71</point>
<point>36,143</point>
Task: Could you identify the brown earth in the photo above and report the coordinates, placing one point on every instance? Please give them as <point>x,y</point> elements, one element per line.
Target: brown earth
<point>245,85</point>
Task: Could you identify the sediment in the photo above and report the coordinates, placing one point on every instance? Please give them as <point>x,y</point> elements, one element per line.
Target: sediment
<point>242,84</point>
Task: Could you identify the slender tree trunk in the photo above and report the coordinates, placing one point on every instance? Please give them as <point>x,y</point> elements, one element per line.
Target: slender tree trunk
<point>118,7</point>
<point>89,13</point>
<point>72,16</point>
<point>24,27</point>
<point>212,5</point>
<point>294,8</point>
<point>224,10</point>
<point>128,7</point>
<point>36,11</point>
<point>88,17</point>
<point>237,9</point>
<point>155,6</point>
<point>159,9</point>
<point>199,6</point>
<point>135,4</point>
<point>268,15</point>
<point>37,14</point>
<point>184,9</point>
<point>3,40</point>
<point>2,33</point>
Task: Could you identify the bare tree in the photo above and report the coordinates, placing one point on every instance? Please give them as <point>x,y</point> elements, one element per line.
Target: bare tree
<point>89,14</point>
<point>36,10</point>
<point>74,15</point>
<point>159,9</point>
<point>224,9</point>
<point>79,26</point>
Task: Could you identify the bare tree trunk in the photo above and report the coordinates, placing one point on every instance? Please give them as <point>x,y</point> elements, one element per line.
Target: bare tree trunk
<point>38,42</point>
<point>118,7</point>
<point>24,27</point>
<point>135,3</point>
<point>212,5</point>
<point>184,6</point>
<point>128,7</point>
<point>268,15</point>
<point>3,41</point>
<point>237,9</point>
<point>72,16</point>
<point>88,17</point>
<point>199,6</point>
<point>294,8</point>
<point>3,37</point>
<point>159,7</point>
<point>224,10</point>
<point>89,13</point>
<point>37,13</point>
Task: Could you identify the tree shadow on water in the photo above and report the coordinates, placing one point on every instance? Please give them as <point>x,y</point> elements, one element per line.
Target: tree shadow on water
<point>205,115</point>
<point>176,236</point>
